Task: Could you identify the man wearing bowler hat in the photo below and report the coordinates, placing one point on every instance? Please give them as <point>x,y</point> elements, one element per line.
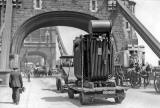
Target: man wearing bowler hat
<point>15,82</point>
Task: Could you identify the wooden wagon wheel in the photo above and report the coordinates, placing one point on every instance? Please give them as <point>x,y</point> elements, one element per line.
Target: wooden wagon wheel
<point>120,98</point>
<point>61,89</point>
<point>57,85</point>
<point>157,83</point>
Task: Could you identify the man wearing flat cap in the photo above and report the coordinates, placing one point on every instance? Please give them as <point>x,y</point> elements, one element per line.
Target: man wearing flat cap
<point>15,82</point>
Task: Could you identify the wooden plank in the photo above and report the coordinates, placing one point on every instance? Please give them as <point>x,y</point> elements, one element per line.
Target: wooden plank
<point>80,89</point>
<point>95,61</point>
<point>89,48</point>
<point>93,57</point>
<point>98,60</point>
<point>106,58</point>
<point>100,75</point>
<point>103,57</point>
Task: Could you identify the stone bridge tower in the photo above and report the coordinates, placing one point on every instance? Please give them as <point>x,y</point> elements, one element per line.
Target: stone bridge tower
<point>21,17</point>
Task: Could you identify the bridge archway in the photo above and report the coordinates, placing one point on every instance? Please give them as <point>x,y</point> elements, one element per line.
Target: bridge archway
<point>54,18</point>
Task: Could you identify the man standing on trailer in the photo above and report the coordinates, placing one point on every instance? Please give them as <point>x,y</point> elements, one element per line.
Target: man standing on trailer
<point>15,82</point>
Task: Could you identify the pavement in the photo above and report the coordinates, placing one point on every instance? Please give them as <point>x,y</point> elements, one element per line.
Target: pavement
<point>42,93</point>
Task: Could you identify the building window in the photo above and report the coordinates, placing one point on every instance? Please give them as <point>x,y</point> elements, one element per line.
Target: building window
<point>111,4</point>
<point>93,6</point>
<point>129,35</point>
<point>127,25</point>
<point>37,4</point>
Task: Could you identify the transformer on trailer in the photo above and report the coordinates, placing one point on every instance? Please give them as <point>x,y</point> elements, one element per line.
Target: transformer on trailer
<point>94,64</point>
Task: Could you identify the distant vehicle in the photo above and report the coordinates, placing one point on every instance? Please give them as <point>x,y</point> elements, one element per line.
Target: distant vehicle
<point>40,71</point>
<point>65,73</point>
<point>52,72</point>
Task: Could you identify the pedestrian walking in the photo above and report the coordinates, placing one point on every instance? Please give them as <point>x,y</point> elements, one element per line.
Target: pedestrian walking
<point>16,83</point>
<point>28,72</point>
<point>29,75</point>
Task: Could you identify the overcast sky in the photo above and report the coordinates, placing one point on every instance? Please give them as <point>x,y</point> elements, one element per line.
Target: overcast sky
<point>147,11</point>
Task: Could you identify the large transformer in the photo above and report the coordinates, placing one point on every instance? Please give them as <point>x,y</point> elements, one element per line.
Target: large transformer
<point>93,65</point>
<point>93,53</point>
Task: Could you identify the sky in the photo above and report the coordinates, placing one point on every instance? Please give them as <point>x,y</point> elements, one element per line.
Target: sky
<point>147,11</point>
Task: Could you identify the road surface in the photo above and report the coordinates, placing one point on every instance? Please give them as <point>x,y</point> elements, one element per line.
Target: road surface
<point>41,93</point>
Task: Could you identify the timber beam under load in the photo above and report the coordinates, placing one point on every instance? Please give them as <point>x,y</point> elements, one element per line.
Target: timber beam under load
<point>151,41</point>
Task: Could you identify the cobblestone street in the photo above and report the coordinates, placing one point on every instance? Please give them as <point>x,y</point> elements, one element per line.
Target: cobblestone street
<point>41,93</point>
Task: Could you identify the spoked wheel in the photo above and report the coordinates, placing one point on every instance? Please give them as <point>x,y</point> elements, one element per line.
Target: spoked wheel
<point>120,98</point>
<point>61,89</point>
<point>57,85</point>
<point>84,99</point>
<point>146,81</point>
<point>157,84</point>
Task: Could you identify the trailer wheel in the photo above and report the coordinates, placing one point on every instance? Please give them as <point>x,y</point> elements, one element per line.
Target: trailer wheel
<point>61,89</point>
<point>82,97</point>
<point>120,98</point>
<point>57,85</point>
<point>70,93</point>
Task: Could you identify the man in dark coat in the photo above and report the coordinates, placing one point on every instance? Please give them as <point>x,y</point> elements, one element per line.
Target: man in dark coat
<point>15,82</point>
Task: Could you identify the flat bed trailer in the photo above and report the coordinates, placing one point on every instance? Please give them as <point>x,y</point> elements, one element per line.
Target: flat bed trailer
<point>87,95</point>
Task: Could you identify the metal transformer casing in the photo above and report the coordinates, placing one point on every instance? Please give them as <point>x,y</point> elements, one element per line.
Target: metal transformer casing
<point>93,55</point>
